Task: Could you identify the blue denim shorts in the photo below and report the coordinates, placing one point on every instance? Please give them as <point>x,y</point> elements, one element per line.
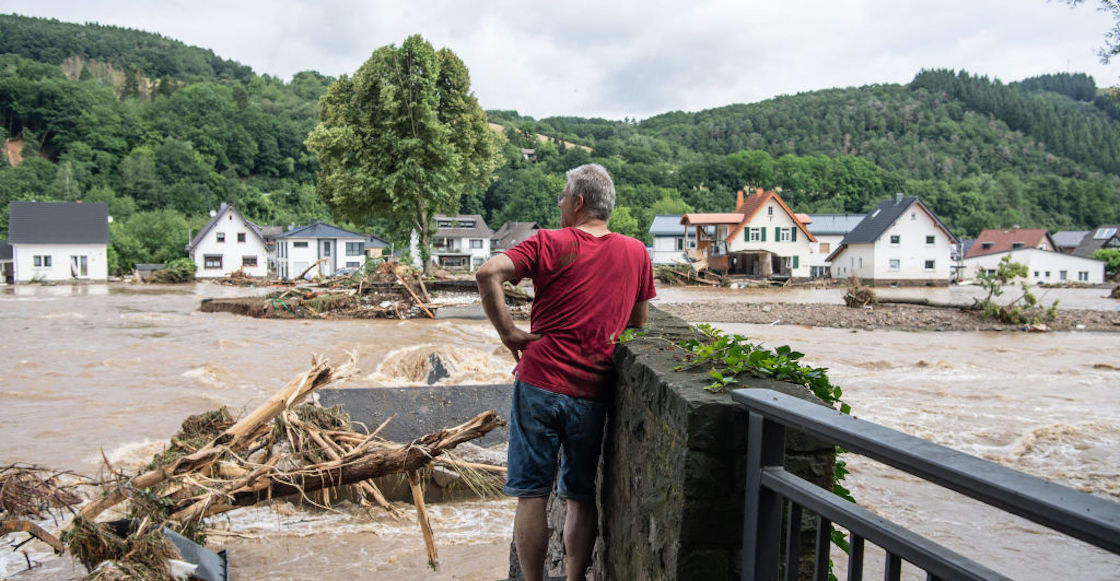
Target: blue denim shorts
<point>544,424</point>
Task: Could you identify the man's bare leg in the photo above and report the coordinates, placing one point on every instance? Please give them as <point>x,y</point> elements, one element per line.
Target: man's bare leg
<point>530,536</point>
<point>579,537</point>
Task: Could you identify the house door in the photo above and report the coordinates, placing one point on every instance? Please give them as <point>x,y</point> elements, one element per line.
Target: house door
<point>327,267</point>
<point>79,267</point>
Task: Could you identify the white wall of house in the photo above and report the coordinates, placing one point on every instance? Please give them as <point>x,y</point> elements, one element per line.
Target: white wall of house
<point>450,251</point>
<point>913,248</point>
<point>670,249</point>
<point>775,231</point>
<point>60,262</point>
<point>1043,267</point>
<point>857,260</point>
<point>294,255</point>
<point>229,246</point>
<point>818,252</point>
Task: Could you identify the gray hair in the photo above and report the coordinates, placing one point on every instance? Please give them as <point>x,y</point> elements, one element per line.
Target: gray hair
<point>592,181</point>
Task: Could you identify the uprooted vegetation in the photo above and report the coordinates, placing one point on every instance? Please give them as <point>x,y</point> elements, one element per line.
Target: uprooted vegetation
<point>217,463</point>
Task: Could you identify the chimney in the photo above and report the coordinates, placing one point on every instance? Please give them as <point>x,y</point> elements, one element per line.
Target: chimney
<point>898,198</point>
<point>759,192</point>
<point>738,200</point>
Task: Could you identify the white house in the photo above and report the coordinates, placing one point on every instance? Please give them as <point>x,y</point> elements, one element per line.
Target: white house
<point>461,242</point>
<point>763,238</point>
<point>1043,266</point>
<point>327,247</point>
<point>829,230</point>
<point>227,244</point>
<point>59,241</point>
<point>900,242</point>
<point>669,239</point>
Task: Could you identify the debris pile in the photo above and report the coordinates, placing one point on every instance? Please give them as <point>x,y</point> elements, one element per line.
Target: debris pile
<point>686,275</point>
<point>216,464</point>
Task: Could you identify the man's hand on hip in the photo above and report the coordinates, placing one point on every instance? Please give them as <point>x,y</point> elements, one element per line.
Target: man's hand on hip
<point>517,340</point>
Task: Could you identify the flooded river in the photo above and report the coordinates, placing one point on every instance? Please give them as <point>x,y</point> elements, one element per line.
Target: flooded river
<point>116,368</point>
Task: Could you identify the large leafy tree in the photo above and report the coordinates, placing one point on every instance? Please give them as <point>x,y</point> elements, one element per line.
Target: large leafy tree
<point>403,138</point>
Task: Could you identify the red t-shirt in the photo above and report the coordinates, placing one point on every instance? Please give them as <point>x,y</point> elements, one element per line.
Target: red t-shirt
<point>584,290</point>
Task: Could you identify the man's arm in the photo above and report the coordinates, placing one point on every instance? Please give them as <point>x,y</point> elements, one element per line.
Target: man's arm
<point>639,314</point>
<point>490,277</point>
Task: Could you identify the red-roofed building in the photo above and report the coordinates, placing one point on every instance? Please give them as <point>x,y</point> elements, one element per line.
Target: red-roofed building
<point>992,241</point>
<point>762,238</point>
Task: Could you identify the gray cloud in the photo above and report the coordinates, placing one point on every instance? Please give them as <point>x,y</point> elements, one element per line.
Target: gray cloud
<point>630,57</point>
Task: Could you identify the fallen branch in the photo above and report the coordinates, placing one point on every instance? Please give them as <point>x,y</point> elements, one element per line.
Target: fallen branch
<point>22,526</point>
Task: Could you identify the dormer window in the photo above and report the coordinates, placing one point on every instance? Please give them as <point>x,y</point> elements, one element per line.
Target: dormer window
<point>1015,245</point>
<point>985,245</point>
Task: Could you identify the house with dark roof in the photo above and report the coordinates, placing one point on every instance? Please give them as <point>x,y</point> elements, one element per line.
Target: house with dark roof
<point>829,230</point>
<point>510,234</point>
<point>1067,241</point>
<point>461,241</point>
<point>323,246</point>
<point>1035,249</point>
<point>58,241</point>
<point>669,242</point>
<point>1102,237</point>
<point>762,238</point>
<point>900,241</point>
<point>229,243</point>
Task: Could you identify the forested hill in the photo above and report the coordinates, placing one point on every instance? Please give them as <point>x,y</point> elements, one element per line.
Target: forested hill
<point>164,132</point>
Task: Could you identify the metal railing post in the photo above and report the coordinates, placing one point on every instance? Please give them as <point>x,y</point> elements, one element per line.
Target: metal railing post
<point>762,514</point>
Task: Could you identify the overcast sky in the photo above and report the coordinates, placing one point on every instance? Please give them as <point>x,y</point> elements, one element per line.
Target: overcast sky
<point>633,58</point>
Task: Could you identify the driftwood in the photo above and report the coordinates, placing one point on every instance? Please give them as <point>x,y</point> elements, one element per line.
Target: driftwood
<point>308,269</point>
<point>22,526</point>
<point>925,303</point>
<point>303,385</point>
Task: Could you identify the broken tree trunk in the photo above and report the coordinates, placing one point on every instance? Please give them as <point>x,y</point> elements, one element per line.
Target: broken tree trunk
<point>925,303</point>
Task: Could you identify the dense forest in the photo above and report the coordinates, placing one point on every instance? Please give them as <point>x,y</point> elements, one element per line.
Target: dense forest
<point>164,132</point>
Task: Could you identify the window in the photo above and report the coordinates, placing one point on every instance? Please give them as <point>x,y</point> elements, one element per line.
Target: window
<point>1062,275</point>
<point>41,261</point>
<point>249,260</point>
<point>826,247</point>
<point>913,215</point>
<point>1083,275</point>
<point>1016,245</point>
<point>353,249</point>
<point>1047,274</point>
<point>754,234</point>
<point>895,264</point>
<point>241,237</point>
<point>985,245</point>
<point>1036,274</point>
<point>930,264</point>
<point>353,264</point>
<point>221,236</point>
<point>895,239</point>
<point>784,234</point>
<point>931,240</point>
<point>326,248</point>
<point>299,244</point>
<point>212,261</point>
<point>476,243</point>
<point>770,210</point>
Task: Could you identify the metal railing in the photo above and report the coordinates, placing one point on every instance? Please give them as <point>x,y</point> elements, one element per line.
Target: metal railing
<point>769,487</point>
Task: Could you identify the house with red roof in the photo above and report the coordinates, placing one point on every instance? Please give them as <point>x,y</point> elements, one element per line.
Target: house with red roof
<point>761,238</point>
<point>1034,248</point>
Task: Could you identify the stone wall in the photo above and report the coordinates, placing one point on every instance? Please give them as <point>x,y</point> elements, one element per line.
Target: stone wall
<point>673,472</point>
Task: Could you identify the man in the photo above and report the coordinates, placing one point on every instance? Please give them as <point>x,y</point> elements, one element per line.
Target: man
<point>589,284</point>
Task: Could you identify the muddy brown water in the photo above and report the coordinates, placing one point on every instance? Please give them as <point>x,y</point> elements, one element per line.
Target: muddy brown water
<point>116,368</point>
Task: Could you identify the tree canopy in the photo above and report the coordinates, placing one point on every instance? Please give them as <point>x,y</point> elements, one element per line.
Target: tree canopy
<point>404,138</point>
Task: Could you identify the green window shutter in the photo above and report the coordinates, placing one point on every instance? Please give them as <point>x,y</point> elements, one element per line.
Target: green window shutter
<point>795,258</point>
<point>794,229</point>
<point>746,234</point>
<point>763,231</point>
<point>777,234</point>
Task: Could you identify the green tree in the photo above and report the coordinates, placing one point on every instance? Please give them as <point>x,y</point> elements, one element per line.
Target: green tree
<point>403,138</point>
<point>1111,257</point>
<point>623,222</point>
